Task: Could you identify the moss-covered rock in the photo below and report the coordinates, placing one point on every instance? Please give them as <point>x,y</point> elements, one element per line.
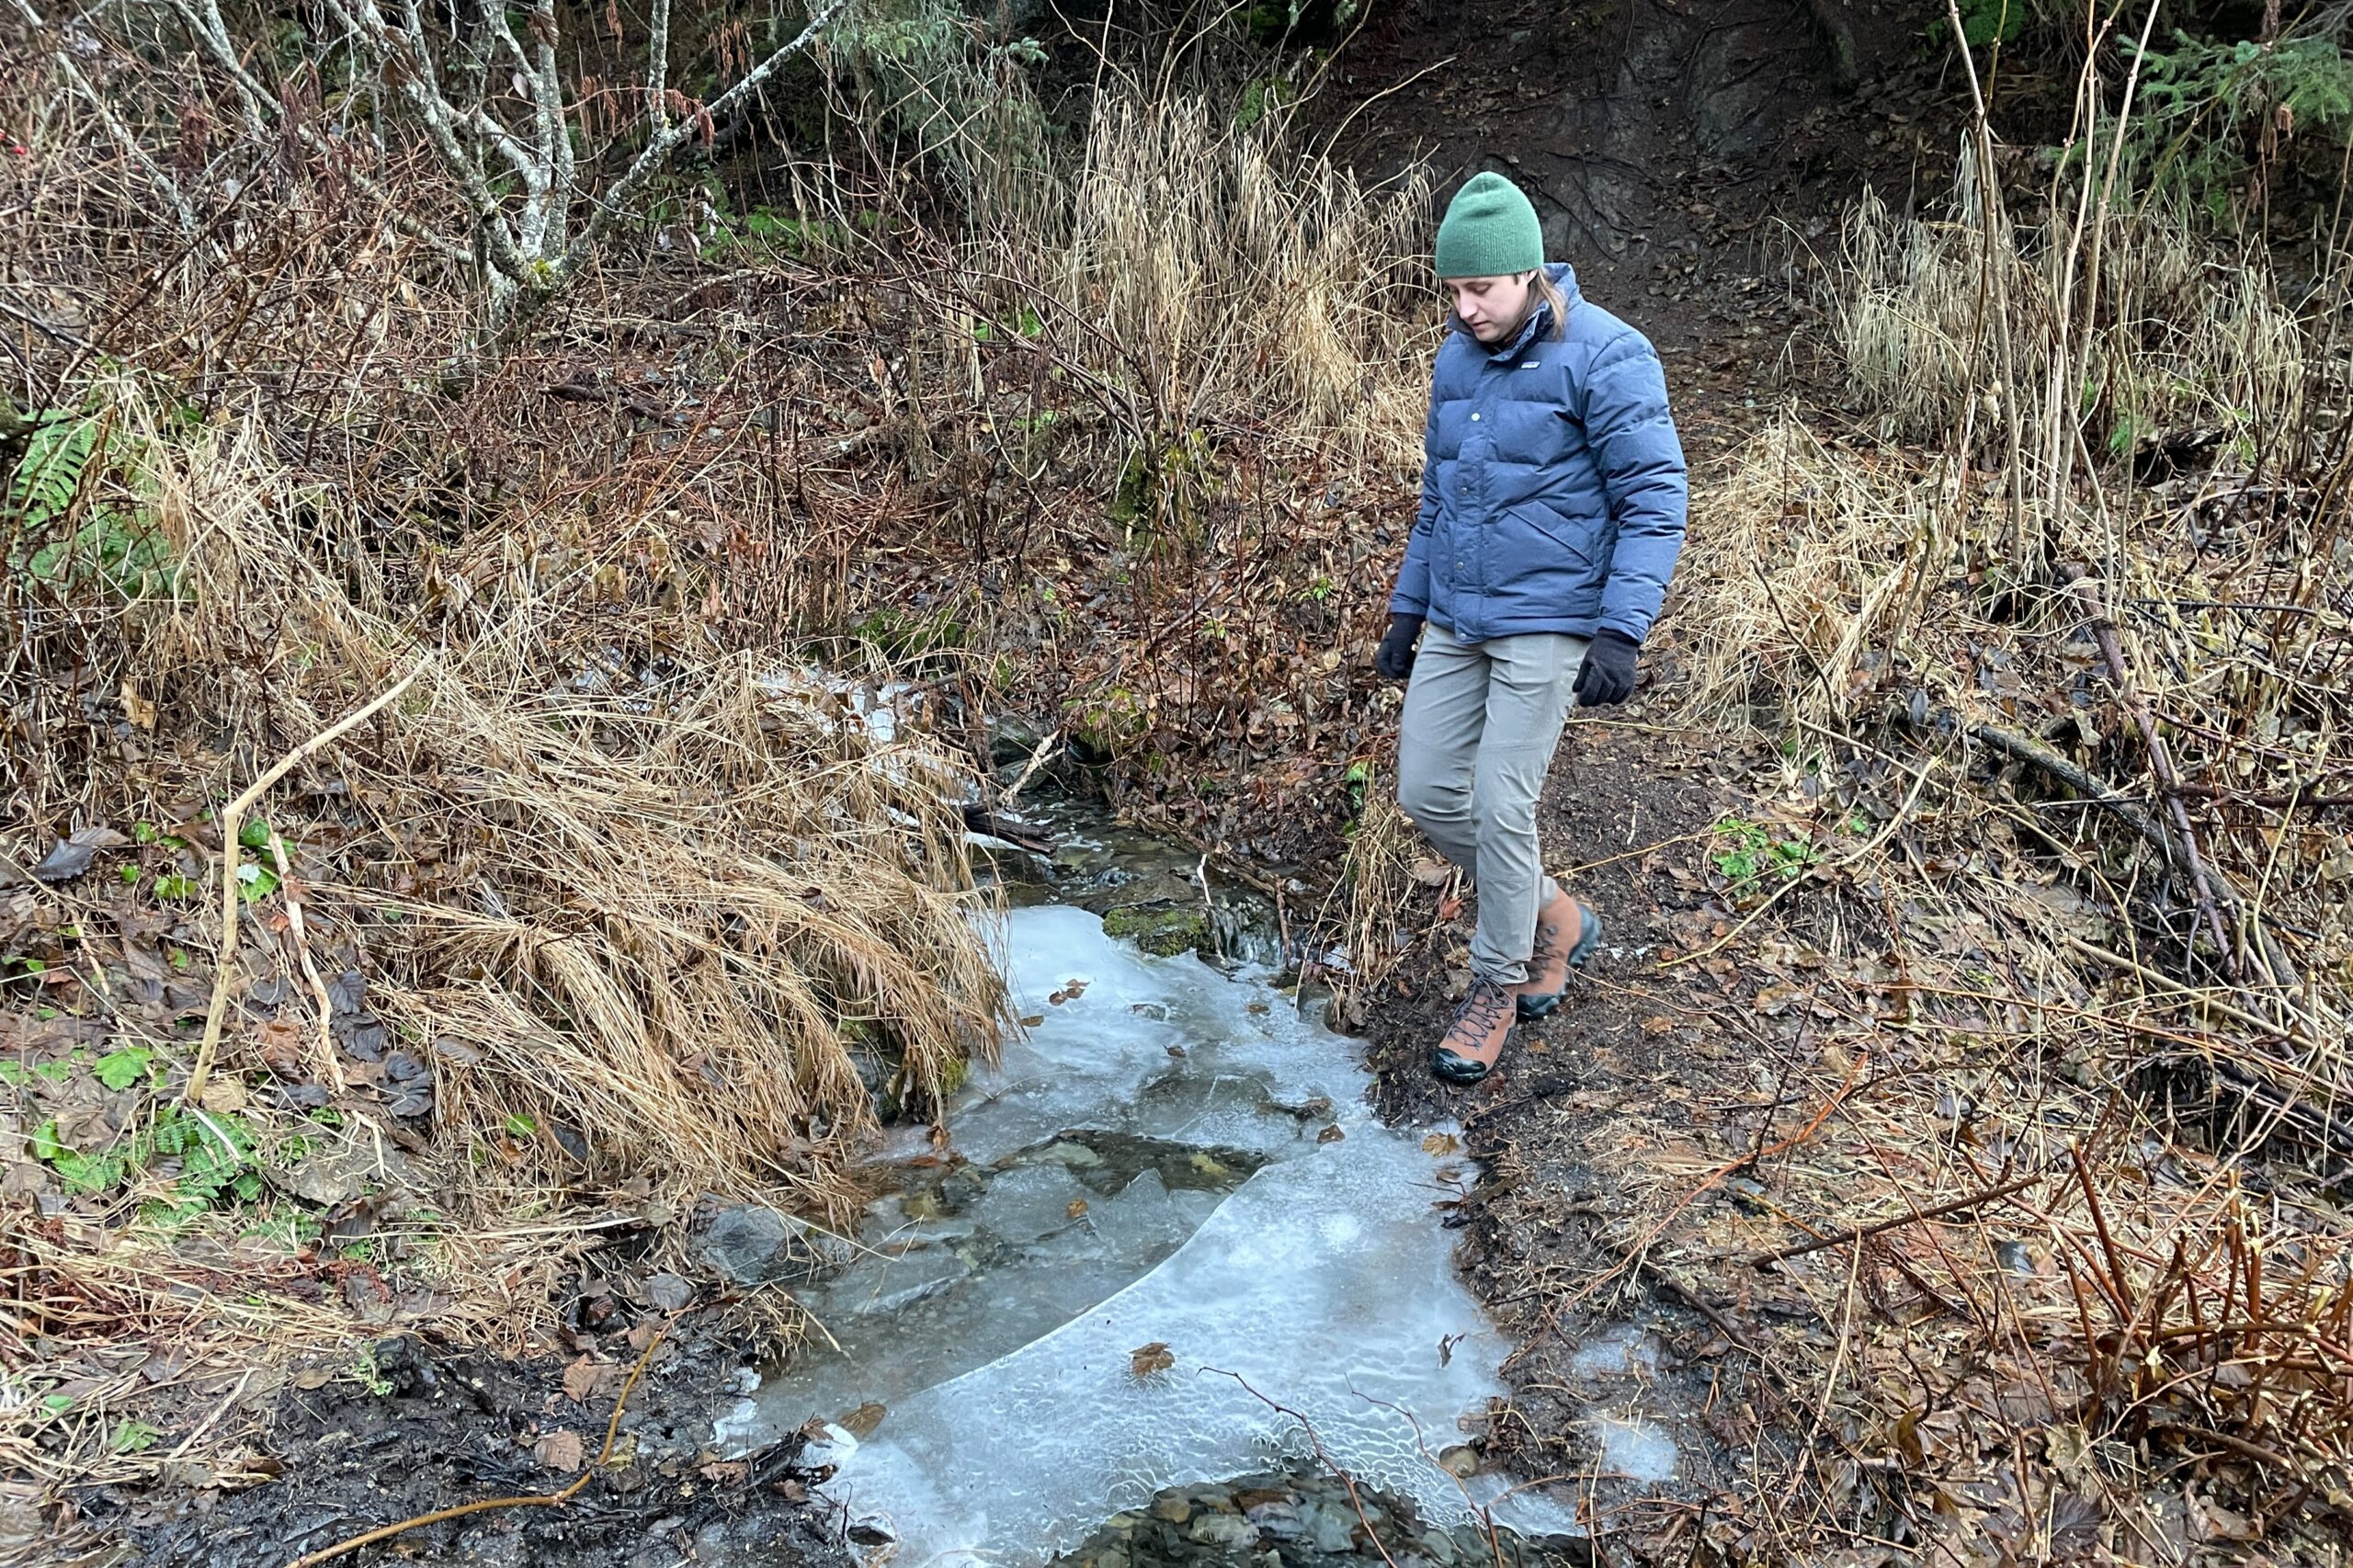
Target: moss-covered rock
<point>1165,929</point>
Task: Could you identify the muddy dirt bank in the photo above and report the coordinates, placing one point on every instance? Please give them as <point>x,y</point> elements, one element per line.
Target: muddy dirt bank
<point>411,1427</point>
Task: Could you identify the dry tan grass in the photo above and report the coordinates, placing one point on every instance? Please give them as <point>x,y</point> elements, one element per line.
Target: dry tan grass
<point>1376,878</point>
<point>663,914</point>
<point>1244,276</point>
<point>1935,320</point>
<point>1812,563</point>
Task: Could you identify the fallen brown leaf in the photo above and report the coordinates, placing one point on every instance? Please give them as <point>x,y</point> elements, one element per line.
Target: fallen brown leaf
<point>559,1451</point>
<point>1146,1359</point>
<point>580,1379</point>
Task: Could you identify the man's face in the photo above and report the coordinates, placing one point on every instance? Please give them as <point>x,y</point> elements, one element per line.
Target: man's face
<point>1491,307</point>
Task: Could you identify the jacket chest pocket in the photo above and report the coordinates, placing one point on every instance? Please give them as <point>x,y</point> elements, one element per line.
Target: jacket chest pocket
<point>1546,532</point>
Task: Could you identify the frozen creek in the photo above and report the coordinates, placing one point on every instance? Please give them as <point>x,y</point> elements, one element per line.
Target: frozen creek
<point>1169,1211</point>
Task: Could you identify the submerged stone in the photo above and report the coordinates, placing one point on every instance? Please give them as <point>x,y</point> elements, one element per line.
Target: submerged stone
<point>1277,1521</point>
<point>754,1246</point>
<point>1223,1529</point>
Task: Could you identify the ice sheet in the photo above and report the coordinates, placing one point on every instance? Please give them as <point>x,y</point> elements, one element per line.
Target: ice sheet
<point>1323,1283</point>
<point>998,1322</point>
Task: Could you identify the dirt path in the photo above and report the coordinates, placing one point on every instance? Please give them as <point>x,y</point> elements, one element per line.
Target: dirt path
<point>1629,1064</point>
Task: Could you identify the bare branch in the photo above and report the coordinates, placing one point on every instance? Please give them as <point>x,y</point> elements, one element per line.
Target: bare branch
<point>532,170</point>
<point>657,70</point>
<point>162,182</point>
<point>212,32</point>
<point>658,150</point>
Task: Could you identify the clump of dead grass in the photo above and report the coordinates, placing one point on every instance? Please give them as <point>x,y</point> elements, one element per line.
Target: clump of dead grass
<point>1963,321</point>
<point>1810,572</point>
<point>1365,901</point>
<point>1237,276</point>
<point>664,907</point>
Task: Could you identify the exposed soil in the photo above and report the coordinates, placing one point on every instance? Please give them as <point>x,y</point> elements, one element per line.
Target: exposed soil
<point>418,1427</point>
<point>1671,149</point>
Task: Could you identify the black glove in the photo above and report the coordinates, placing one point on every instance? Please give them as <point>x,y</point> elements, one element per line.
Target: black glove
<point>1395,658</point>
<point>1607,673</point>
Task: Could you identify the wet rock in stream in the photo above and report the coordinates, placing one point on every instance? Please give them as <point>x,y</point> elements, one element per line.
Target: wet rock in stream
<point>1162,929</point>
<point>752,1245</point>
<point>1301,1518</point>
<point>1147,891</point>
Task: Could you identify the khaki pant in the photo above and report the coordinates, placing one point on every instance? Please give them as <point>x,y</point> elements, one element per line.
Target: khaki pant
<point>1480,726</point>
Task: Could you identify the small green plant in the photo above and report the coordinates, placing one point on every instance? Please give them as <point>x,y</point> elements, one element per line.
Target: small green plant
<point>117,1069</point>
<point>213,1153</point>
<point>1024,323</point>
<point>133,1437</point>
<point>1991,21</point>
<point>48,475</point>
<point>365,1370</point>
<point>121,551</point>
<point>1751,855</point>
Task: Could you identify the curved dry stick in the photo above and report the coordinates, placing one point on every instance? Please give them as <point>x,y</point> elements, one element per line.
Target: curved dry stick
<point>546,1500</point>
<point>1355,1500</point>
<point>232,823</point>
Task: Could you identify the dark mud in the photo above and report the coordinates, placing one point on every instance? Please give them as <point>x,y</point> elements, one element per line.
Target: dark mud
<point>414,1428</point>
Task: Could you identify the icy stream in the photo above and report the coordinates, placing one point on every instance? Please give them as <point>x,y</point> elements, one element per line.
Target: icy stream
<point>1172,1189</point>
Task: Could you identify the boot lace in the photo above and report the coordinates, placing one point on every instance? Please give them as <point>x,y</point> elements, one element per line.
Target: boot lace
<point>1487,1004</point>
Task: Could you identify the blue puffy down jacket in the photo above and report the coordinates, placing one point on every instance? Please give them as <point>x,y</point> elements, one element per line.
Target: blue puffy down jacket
<point>1554,489</point>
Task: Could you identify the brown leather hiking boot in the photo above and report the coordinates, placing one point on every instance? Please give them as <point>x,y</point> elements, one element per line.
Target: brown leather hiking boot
<point>1480,1029</point>
<point>1566,934</point>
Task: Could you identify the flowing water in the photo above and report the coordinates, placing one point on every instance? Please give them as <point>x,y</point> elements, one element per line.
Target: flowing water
<point>1166,1214</point>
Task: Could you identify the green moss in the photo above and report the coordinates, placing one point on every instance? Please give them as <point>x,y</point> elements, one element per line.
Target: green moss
<point>1161,928</point>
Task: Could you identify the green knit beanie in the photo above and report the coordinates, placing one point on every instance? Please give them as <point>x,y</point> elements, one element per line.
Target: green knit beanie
<point>1490,229</point>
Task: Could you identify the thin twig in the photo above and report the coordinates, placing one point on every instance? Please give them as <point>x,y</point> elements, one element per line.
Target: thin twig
<point>230,821</point>
<point>293,895</point>
<point>1857,1231</point>
<point>1325,1459</point>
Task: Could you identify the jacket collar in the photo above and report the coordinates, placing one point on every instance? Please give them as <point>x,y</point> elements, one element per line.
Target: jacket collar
<point>1538,324</point>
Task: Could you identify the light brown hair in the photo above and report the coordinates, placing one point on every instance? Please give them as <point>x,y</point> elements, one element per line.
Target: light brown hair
<point>1549,292</point>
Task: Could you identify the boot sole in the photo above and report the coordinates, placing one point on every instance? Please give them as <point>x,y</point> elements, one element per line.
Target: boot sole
<point>1588,937</point>
<point>1462,1068</point>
